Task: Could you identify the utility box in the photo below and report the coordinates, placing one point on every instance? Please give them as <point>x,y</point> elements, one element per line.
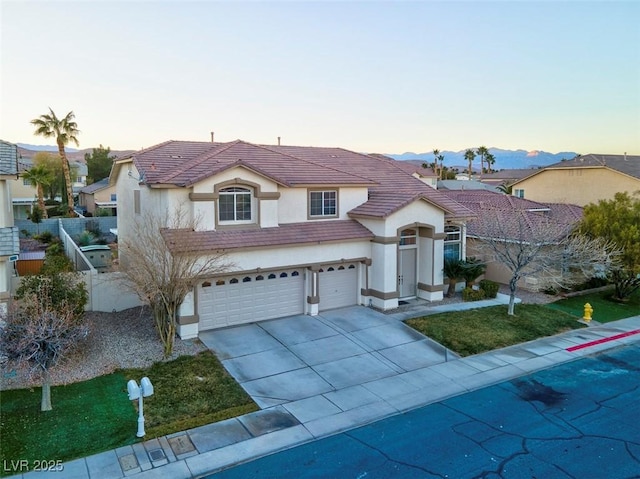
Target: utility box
<point>99,255</point>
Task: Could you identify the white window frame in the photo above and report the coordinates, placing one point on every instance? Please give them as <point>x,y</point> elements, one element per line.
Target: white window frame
<point>453,237</point>
<point>518,192</point>
<point>235,192</point>
<point>325,203</point>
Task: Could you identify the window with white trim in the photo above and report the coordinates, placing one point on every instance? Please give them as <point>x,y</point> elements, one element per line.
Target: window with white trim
<point>323,203</point>
<point>235,205</point>
<point>452,243</point>
<point>518,193</point>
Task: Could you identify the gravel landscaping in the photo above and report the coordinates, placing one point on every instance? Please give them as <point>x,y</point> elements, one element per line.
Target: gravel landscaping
<point>126,339</point>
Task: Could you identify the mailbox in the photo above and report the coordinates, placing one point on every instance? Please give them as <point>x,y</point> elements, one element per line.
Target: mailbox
<point>133,389</point>
<point>146,386</point>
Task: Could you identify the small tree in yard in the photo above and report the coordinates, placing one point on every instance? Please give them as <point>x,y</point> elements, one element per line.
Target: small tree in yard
<point>536,244</point>
<point>45,325</point>
<point>163,277</point>
<point>618,221</point>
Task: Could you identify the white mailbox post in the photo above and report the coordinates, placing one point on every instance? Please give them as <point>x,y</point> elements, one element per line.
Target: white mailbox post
<point>138,392</point>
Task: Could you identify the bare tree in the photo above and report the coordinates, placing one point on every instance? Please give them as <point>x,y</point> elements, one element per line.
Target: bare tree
<point>536,244</point>
<point>160,278</point>
<point>41,333</point>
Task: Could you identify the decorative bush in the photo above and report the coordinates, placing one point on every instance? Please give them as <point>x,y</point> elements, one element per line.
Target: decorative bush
<point>470,294</point>
<point>490,288</point>
<point>44,237</point>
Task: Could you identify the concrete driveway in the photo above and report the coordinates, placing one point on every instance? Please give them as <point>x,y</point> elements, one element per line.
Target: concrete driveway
<point>349,354</point>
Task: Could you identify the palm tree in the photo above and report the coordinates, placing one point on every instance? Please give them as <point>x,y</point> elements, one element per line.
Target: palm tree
<point>64,130</point>
<point>490,159</point>
<point>482,152</point>
<point>439,158</point>
<point>40,177</point>
<point>470,155</point>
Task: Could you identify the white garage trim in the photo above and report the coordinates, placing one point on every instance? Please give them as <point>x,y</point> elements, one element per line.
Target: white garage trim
<point>246,298</point>
<point>338,286</point>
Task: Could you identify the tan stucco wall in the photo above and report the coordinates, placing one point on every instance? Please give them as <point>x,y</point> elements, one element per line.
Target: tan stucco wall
<point>19,190</point>
<point>578,186</point>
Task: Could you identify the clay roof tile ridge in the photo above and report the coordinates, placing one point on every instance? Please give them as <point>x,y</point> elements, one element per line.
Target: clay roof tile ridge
<point>201,158</point>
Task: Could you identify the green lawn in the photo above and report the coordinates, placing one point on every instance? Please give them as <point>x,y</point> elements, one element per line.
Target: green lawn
<point>484,329</point>
<point>604,310</point>
<point>96,415</point>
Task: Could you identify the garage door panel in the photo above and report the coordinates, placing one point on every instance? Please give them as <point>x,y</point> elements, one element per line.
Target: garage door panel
<point>242,302</point>
<point>338,287</point>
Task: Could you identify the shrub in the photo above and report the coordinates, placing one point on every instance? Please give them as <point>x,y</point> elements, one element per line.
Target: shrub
<point>85,238</point>
<point>470,294</point>
<point>490,288</point>
<point>472,269</point>
<point>44,237</point>
<point>25,233</point>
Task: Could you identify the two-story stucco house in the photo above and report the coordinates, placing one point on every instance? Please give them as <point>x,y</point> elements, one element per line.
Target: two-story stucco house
<point>583,180</point>
<point>307,228</point>
<point>9,241</point>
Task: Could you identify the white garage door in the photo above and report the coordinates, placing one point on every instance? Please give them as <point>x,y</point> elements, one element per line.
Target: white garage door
<point>248,298</point>
<point>338,286</point>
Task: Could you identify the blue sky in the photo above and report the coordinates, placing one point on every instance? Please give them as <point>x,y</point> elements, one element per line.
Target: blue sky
<point>368,76</point>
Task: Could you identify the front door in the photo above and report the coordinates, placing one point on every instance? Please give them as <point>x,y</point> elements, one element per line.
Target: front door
<point>407,273</point>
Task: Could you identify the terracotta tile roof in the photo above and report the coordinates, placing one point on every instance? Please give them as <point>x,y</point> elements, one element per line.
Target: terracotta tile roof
<point>504,215</point>
<point>186,163</point>
<point>390,186</point>
<point>412,166</point>
<point>312,232</point>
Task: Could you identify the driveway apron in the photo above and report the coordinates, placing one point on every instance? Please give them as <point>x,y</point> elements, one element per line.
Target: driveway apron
<point>351,354</point>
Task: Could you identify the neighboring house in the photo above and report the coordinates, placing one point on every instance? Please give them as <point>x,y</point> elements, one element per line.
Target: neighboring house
<point>507,176</point>
<point>9,241</point>
<point>505,207</point>
<point>307,228</point>
<point>98,195</point>
<point>583,180</point>
<point>464,185</point>
<point>79,173</point>
<point>23,193</point>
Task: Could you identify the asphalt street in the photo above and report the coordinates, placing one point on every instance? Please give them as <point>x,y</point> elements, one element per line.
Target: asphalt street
<point>576,420</point>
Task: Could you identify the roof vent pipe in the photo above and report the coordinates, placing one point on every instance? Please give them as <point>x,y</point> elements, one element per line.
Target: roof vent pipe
<point>211,137</point>
<point>278,141</point>
<point>625,156</point>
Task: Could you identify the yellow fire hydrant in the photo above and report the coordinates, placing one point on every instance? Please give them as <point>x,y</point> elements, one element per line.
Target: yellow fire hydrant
<point>588,310</point>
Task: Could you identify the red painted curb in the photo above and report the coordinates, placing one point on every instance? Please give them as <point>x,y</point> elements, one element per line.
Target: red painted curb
<point>603,340</point>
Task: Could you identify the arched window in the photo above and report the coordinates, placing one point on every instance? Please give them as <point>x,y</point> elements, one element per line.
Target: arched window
<point>259,277</point>
<point>283,275</point>
<point>330,268</point>
<point>235,205</point>
<point>452,243</point>
<point>271,276</point>
<point>246,279</point>
<point>295,273</point>
<point>352,266</point>
<point>233,281</point>
<point>340,268</point>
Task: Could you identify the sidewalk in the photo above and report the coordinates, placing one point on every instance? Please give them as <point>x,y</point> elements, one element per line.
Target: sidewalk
<point>213,447</point>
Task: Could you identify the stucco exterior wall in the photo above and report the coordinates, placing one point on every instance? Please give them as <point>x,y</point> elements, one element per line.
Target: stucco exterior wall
<point>578,186</point>
<point>286,256</point>
<point>294,203</point>
<point>20,190</point>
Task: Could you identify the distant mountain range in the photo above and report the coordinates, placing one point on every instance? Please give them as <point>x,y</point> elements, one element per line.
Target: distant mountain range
<point>505,159</point>
<point>27,151</point>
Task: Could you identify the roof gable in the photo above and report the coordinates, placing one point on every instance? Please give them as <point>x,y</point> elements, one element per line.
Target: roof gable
<point>626,164</point>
